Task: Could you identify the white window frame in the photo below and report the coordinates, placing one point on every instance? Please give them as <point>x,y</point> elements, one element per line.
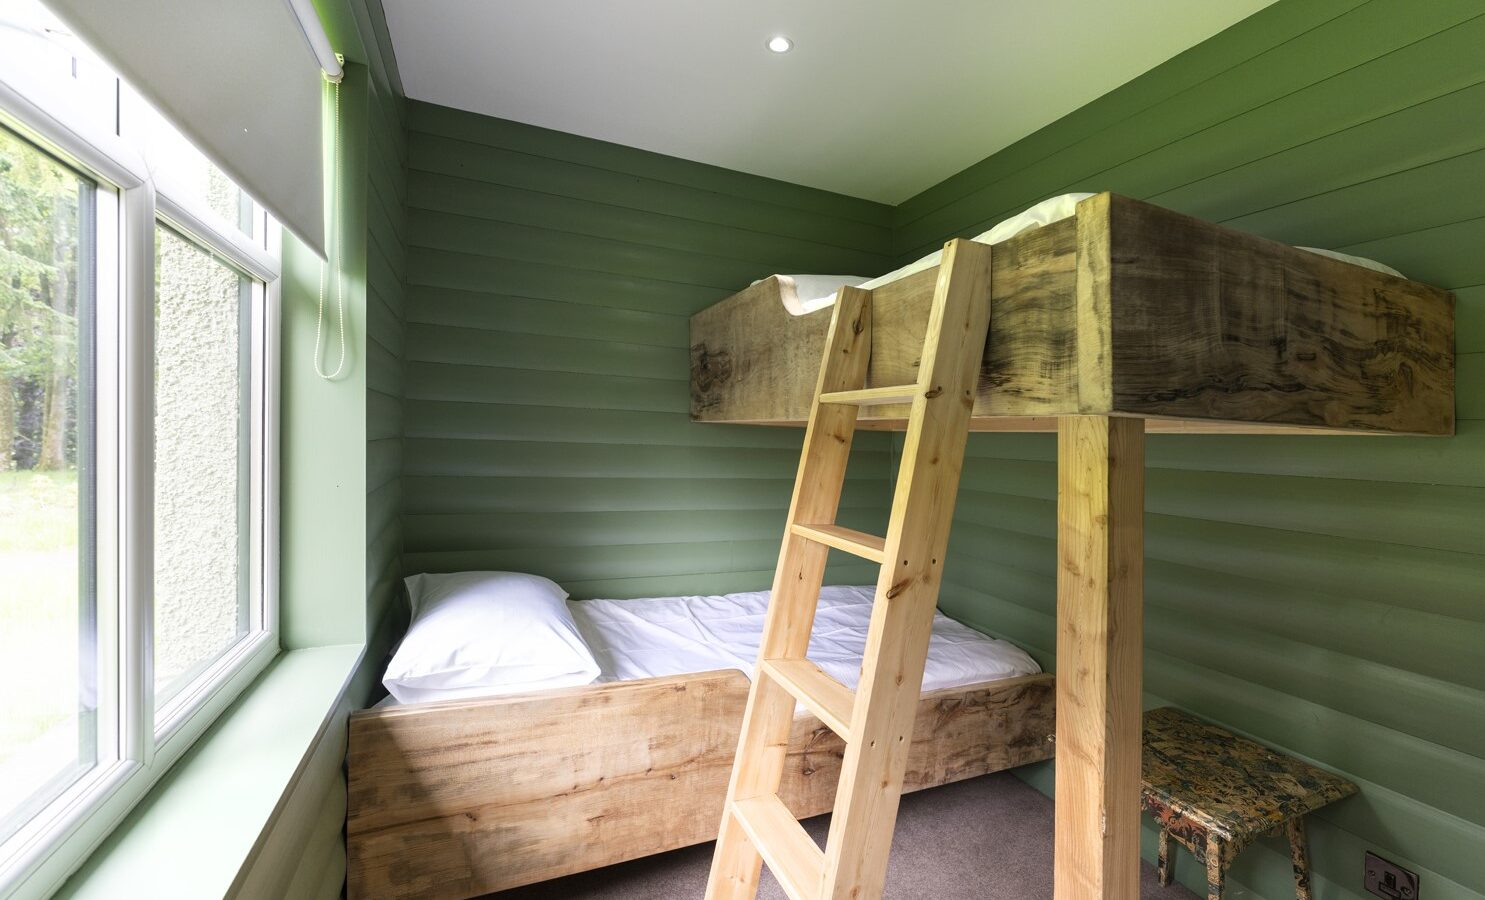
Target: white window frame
<point>135,749</point>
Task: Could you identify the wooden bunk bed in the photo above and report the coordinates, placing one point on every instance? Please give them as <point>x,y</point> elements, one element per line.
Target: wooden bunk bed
<point>1121,319</point>
<point>462,798</point>
<point>1125,310</point>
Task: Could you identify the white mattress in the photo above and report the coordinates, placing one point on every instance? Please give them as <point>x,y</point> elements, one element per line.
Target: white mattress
<point>675,635</point>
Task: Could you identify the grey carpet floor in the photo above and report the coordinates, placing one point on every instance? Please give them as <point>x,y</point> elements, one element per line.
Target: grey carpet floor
<point>988,838</point>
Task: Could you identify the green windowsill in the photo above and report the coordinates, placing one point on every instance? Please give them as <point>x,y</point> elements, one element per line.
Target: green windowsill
<point>197,829</point>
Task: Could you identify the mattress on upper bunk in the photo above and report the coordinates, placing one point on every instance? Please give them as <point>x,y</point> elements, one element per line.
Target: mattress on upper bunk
<point>811,292</point>
<point>654,637</point>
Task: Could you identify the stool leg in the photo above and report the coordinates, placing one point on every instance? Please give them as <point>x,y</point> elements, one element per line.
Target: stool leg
<point>1214,869</point>
<point>1299,854</point>
<point>1162,867</point>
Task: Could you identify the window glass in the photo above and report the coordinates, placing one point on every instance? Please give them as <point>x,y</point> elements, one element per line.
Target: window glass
<point>201,460</point>
<point>48,623</point>
<point>179,166</point>
<point>48,60</point>
<point>43,58</point>
<point>103,624</point>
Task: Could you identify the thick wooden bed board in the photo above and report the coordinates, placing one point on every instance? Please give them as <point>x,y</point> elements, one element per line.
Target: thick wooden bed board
<point>1127,309</point>
<point>454,800</point>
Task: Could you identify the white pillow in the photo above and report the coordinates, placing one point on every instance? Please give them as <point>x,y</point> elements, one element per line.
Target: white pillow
<point>481,633</point>
<point>803,294</point>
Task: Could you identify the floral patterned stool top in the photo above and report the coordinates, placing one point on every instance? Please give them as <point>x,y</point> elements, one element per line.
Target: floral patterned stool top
<point>1215,793</point>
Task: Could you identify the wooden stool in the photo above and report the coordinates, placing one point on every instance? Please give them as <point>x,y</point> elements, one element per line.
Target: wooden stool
<point>1216,793</point>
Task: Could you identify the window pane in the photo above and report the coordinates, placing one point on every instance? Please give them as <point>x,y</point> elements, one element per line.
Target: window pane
<point>201,460</point>
<point>40,55</point>
<point>48,622</point>
<point>178,166</point>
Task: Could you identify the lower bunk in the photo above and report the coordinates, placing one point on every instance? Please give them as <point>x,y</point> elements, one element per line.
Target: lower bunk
<point>459,798</point>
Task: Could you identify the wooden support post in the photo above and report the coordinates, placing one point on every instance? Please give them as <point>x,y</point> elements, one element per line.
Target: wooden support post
<point>1100,623</point>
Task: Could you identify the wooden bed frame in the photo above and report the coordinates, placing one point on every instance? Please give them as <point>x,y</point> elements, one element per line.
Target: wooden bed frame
<point>1123,319</point>
<point>1130,310</point>
<point>458,799</point>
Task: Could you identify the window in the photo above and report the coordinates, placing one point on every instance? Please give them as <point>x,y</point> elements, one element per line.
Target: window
<point>202,354</point>
<point>49,712</point>
<point>183,169</point>
<point>137,344</point>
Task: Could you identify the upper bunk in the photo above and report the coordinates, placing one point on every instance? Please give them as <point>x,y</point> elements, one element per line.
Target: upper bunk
<point>1123,309</point>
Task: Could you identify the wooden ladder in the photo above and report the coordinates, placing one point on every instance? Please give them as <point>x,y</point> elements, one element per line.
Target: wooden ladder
<point>877,722</point>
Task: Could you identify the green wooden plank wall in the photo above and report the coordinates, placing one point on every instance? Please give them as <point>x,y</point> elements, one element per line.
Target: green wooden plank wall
<point>1326,595</point>
<point>549,283</point>
<point>386,263</point>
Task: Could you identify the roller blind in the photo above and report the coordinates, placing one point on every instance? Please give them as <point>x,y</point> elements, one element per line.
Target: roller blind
<point>237,78</point>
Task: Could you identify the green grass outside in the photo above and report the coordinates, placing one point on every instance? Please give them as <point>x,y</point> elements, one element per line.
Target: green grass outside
<point>38,608</point>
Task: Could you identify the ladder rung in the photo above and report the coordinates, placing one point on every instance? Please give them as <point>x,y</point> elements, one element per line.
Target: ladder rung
<point>792,855</point>
<point>866,546</point>
<point>812,686</point>
<point>877,396</point>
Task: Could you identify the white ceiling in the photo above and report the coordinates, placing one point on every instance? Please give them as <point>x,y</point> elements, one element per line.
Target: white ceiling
<point>878,99</point>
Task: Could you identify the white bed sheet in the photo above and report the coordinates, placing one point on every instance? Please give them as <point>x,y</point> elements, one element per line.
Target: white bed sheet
<point>675,635</point>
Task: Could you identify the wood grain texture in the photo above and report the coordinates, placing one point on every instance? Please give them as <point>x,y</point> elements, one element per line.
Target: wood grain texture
<point>1093,322</point>
<point>792,855</point>
<point>1048,425</point>
<point>1212,323</point>
<point>819,693</point>
<point>880,721</point>
<point>762,741</point>
<point>1100,656</point>
<point>1129,310</point>
<point>857,543</point>
<point>457,799</point>
<point>752,362</point>
<point>872,772</point>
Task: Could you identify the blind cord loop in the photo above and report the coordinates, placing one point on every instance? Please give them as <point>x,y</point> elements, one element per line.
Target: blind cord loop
<point>338,261</point>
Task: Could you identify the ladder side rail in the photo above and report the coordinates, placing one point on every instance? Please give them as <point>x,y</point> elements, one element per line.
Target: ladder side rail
<point>763,742</point>
<point>907,590</point>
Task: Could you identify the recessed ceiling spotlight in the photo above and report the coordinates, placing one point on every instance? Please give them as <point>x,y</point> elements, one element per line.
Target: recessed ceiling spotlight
<point>780,44</point>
